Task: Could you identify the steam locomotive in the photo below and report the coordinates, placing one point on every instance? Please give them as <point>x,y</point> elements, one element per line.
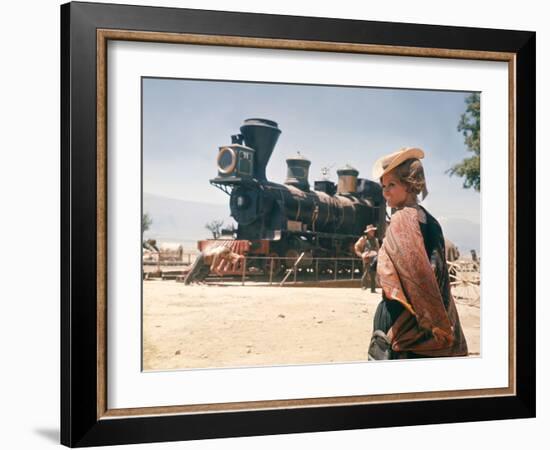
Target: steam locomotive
<point>289,219</point>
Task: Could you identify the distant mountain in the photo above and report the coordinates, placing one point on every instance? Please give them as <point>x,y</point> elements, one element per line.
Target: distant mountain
<point>180,220</point>
<point>465,234</point>
<point>184,222</point>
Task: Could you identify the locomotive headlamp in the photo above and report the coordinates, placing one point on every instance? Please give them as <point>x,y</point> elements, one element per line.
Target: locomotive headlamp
<point>227,160</point>
<point>235,163</point>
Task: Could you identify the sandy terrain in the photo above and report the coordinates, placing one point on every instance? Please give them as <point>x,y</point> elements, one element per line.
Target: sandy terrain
<point>232,326</point>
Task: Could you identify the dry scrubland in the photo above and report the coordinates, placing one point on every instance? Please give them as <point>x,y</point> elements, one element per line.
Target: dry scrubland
<point>230,326</point>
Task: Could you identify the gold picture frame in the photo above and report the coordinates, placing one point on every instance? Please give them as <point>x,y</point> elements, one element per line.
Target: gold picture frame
<point>85,35</point>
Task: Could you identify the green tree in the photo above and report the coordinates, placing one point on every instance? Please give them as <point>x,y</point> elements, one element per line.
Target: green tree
<point>469,126</point>
<point>146,222</point>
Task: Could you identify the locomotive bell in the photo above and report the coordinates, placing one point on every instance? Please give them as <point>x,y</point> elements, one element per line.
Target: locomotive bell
<point>347,180</point>
<point>261,135</point>
<point>297,172</point>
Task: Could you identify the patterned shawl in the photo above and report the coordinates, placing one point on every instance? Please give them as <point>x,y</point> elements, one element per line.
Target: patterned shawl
<point>406,275</point>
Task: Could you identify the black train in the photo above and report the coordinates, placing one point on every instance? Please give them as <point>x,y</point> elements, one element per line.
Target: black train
<point>288,219</point>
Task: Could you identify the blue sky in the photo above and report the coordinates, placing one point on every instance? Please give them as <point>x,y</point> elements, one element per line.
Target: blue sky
<point>185,121</point>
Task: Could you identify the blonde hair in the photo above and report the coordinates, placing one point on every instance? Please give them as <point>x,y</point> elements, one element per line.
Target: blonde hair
<point>411,174</point>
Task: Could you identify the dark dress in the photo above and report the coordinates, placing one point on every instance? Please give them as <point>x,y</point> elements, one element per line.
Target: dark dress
<point>388,311</point>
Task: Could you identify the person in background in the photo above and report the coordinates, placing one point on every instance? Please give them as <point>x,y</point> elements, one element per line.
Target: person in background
<point>367,248</point>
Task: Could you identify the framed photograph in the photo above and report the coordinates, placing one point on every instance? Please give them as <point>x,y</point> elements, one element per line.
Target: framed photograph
<point>279,224</point>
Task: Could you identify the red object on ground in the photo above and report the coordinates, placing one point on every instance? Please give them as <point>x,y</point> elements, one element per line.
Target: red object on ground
<point>240,247</point>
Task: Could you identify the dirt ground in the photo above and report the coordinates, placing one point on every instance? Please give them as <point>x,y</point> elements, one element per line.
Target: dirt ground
<point>234,326</point>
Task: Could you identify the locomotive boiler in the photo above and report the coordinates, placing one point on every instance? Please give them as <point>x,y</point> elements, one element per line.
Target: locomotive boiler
<point>291,218</point>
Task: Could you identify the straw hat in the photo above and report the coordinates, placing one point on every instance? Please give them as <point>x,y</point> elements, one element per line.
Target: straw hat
<point>391,161</point>
<point>369,228</point>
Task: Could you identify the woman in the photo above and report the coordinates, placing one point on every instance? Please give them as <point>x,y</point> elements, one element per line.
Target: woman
<point>417,316</point>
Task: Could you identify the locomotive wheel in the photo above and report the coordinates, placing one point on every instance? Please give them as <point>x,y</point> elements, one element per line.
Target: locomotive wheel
<point>291,256</point>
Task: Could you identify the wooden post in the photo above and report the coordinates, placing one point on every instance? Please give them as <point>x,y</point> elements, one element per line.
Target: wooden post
<point>289,271</point>
<point>271,271</point>
<point>352,267</point>
<point>244,269</point>
<point>335,269</point>
<point>316,269</point>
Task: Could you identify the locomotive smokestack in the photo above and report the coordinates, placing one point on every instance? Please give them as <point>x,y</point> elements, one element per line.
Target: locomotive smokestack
<point>347,180</point>
<point>298,171</point>
<point>261,135</point>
